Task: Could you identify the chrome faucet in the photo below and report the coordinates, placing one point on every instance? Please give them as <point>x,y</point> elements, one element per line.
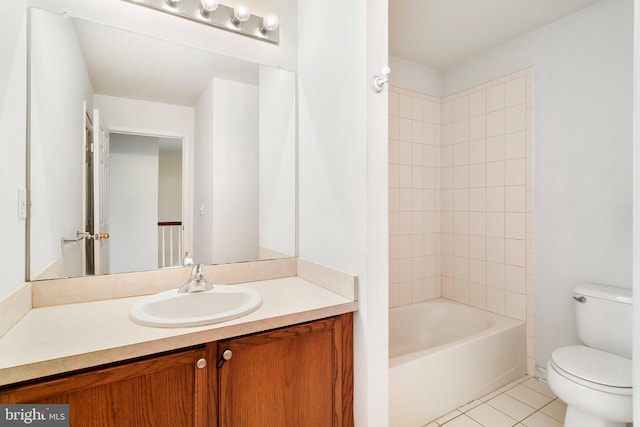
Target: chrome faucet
<point>196,282</point>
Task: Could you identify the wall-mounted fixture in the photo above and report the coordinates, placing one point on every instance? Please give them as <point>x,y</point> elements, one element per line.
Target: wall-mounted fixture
<point>237,19</point>
<point>378,82</point>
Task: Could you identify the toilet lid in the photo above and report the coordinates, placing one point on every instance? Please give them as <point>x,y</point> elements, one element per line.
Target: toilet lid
<point>594,365</point>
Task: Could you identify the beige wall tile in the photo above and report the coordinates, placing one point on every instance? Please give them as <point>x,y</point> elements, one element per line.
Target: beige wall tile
<point>477,103</point>
<point>461,176</point>
<point>495,123</point>
<point>495,148</point>
<point>461,154</point>
<point>515,199</point>
<point>515,118</point>
<point>515,279</point>
<point>495,249</point>
<point>478,247</point>
<point>477,175</point>
<point>478,295</point>
<point>496,174</point>
<point>477,128</point>
<point>515,226</point>
<point>477,151</point>
<point>461,199</point>
<point>495,224</point>
<point>461,291</point>
<point>495,275</point>
<point>515,252</point>
<point>515,145</point>
<point>495,98</point>
<point>496,300</point>
<point>515,172</point>
<point>404,109</point>
<point>461,108</point>
<point>477,197</point>
<point>447,112</point>
<point>478,223</point>
<point>516,92</point>
<point>515,305</point>
<point>477,271</point>
<point>417,109</point>
<point>495,199</point>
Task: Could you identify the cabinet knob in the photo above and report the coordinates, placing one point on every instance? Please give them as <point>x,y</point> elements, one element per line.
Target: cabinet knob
<point>226,355</point>
<point>201,363</point>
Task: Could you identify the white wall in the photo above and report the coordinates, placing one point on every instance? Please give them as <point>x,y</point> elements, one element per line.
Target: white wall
<point>636,206</point>
<point>203,176</point>
<point>226,180</point>
<point>145,117</point>
<point>134,203</point>
<point>170,186</point>
<point>235,172</point>
<point>416,77</point>
<point>583,152</point>
<point>277,163</point>
<point>59,86</point>
<point>372,330</point>
<point>13,84</point>
<point>343,173</point>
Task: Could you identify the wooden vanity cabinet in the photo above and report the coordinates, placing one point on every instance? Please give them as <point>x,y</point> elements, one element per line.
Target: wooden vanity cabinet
<point>168,390</point>
<point>290,377</point>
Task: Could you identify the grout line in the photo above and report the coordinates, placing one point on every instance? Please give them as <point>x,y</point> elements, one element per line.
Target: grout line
<point>496,393</point>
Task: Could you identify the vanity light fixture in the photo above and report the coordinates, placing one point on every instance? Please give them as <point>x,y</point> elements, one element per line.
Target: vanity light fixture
<point>241,13</point>
<point>270,22</point>
<point>208,6</point>
<point>237,19</point>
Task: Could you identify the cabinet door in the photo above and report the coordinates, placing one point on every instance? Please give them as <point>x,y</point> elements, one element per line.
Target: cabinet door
<point>163,391</point>
<point>291,377</point>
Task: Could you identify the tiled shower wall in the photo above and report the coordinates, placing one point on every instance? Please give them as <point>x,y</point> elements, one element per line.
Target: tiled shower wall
<point>414,196</point>
<point>461,198</point>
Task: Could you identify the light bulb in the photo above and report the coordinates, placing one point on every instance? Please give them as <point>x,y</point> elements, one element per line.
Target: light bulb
<point>270,22</point>
<point>208,6</point>
<point>241,13</point>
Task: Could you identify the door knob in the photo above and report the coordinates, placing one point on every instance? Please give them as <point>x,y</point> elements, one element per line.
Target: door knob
<point>226,355</point>
<point>201,363</point>
<point>101,236</point>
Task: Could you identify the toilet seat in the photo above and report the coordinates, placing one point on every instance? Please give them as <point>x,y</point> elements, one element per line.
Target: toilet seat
<point>594,368</point>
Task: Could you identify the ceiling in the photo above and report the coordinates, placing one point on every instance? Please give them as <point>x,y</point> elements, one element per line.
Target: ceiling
<point>440,33</point>
<point>433,33</point>
<point>130,65</point>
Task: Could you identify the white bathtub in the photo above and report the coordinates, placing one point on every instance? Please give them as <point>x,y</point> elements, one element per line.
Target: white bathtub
<point>443,354</point>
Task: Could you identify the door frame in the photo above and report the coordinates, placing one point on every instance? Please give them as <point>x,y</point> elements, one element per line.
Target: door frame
<point>87,267</point>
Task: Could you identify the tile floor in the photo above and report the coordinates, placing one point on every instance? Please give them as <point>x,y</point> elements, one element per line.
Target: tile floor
<point>525,402</point>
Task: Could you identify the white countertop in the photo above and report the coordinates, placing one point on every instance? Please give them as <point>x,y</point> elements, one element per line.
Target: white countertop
<point>56,339</point>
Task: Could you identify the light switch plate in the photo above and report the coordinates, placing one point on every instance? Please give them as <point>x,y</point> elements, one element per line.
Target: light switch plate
<point>22,203</point>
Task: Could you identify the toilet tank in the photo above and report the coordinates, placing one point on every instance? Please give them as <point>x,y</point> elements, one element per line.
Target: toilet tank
<point>604,317</point>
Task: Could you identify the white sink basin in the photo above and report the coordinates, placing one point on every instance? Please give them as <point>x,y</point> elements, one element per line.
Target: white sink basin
<point>171,309</point>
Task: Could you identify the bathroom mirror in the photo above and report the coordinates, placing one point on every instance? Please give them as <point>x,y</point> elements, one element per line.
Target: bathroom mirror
<point>142,149</point>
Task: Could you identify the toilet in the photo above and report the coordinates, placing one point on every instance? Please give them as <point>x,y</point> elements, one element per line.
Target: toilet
<point>594,379</point>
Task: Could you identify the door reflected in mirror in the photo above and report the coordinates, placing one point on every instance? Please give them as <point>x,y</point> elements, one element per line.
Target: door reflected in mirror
<point>142,149</point>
